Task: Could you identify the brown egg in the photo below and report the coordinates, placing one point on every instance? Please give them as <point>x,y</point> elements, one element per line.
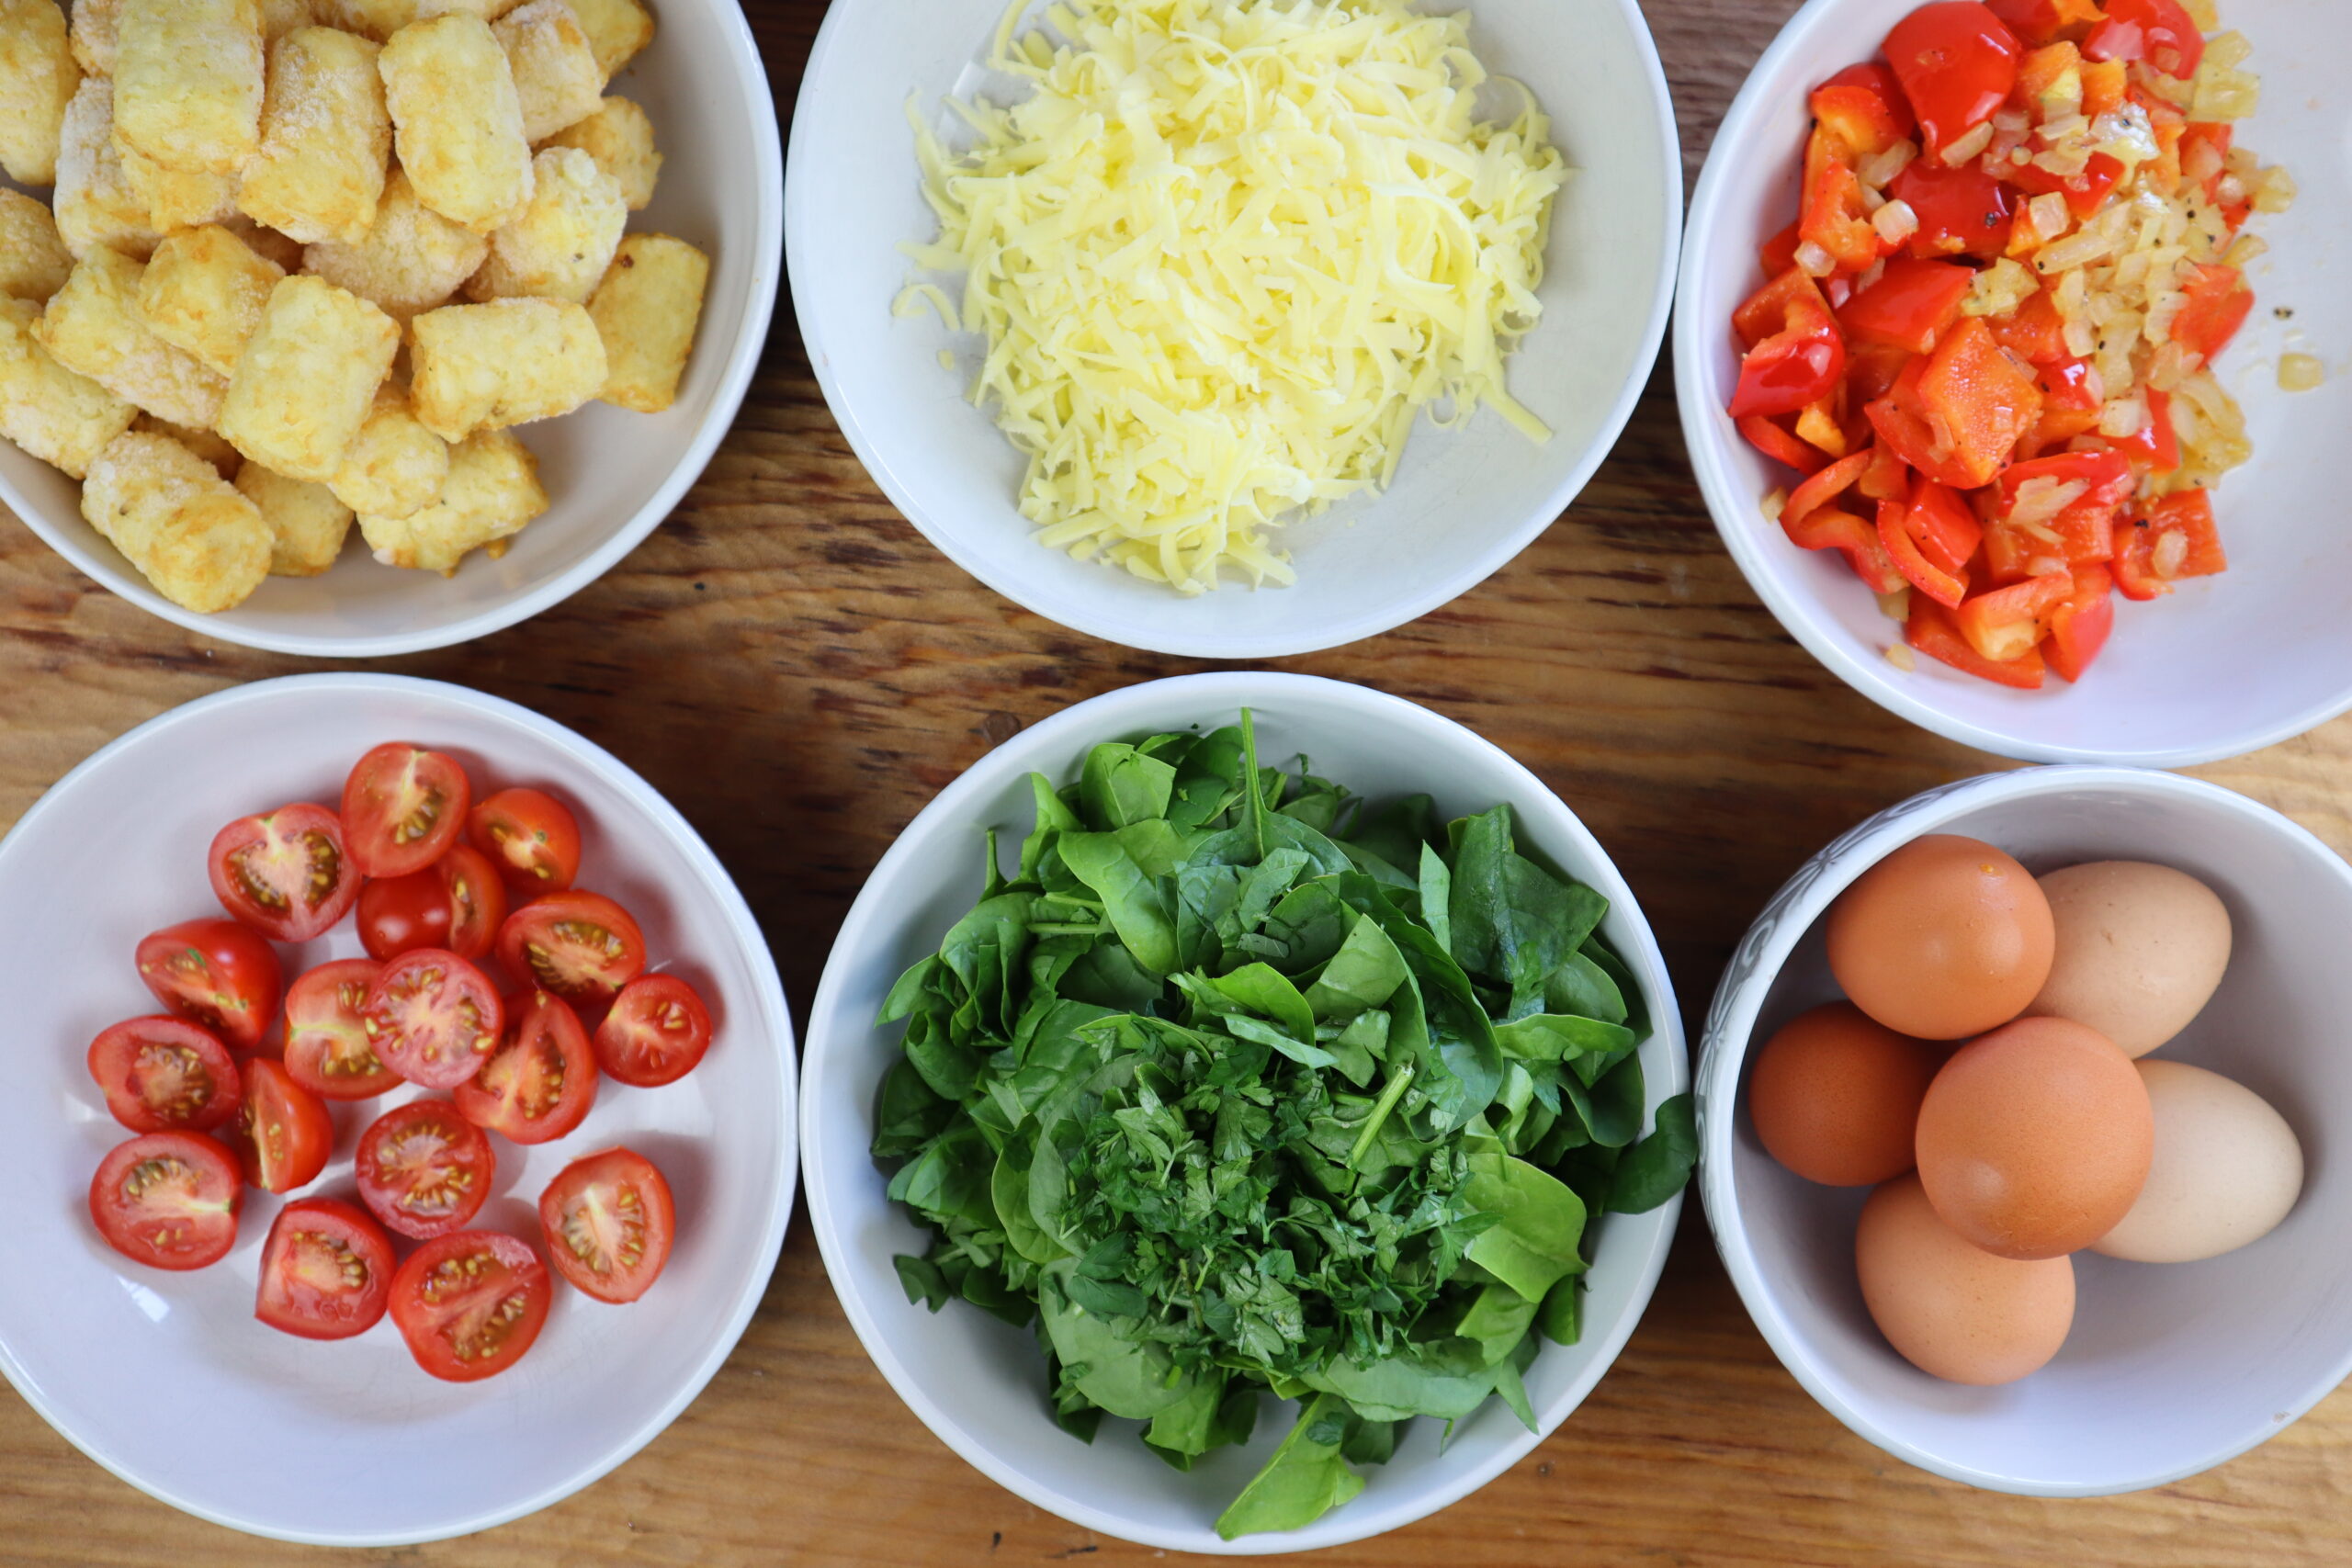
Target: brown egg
<point>1952,1310</point>
<point>2035,1140</point>
<point>2141,950</point>
<point>1943,939</point>
<point>1836,1096</point>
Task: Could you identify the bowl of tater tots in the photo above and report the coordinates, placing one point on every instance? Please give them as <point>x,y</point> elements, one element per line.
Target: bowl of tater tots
<point>354,327</point>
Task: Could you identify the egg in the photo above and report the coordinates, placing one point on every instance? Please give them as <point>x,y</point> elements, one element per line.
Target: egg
<point>1944,939</point>
<point>1952,1310</point>
<point>2227,1170</point>
<point>2034,1140</point>
<point>1835,1096</point>
<point>2139,949</point>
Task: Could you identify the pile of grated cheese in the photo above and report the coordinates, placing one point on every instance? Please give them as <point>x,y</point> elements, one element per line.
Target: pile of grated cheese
<point>1222,254</point>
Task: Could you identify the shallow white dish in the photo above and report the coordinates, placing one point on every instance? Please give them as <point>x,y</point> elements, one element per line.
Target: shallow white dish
<point>2225,665</point>
<point>981,1384</point>
<point>350,1444</point>
<point>2171,1368</point>
<point>1465,502</point>
<point>611,476</point>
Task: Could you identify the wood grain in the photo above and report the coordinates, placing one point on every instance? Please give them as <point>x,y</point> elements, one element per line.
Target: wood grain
<point>800,671</point>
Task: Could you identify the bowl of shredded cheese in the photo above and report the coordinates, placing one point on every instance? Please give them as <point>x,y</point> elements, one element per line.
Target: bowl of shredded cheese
<point>1233,328</point>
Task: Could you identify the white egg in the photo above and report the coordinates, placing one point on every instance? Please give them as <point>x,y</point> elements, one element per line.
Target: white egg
<point>2227,1170</point>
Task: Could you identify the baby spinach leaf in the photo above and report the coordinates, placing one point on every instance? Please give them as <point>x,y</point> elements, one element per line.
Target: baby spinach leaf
<point>922,1281</point>
<point>1137,1380</point>
<point>1120,786</point>
<point>1655,1169</point>
<point>1538,1224</point>
<point>1398,832</point>
<point>1561,1318</point>
<point>1364,973</point>
<point>1129,898</point>
<point>1306,1477</point>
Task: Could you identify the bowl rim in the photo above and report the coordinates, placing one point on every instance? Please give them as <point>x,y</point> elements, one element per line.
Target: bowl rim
<point>768,994</point>
<point>804,228</point>
<point>1062,736</point>
<point>1738,1002</point>
<point>109,571</point>
<point>1730,505</point>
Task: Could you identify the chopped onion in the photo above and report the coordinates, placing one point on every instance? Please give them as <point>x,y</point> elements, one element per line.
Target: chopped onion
<point>1814,262</point>
<point>1967,149</point>
<point>1895,222</point>
<point>2301,373</point>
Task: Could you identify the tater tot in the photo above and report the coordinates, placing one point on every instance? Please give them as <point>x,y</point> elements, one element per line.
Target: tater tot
<point>95,203</point>
<point>176,198</point>
<point>203,545</point>
<point>617,30</point>
<point>619,136</point>
<point>509,362</point>
<point>94,326</point>
<point>555,75</point>
<point>205,291</point>
<point>493,489</point>
<point>325,136</point>
<point>380,20</point>
<point>93,26</point>
<point>209,445</point>
<point>62,418</point>
<point>34,262</point>
<point>394,465</point>
<point>307,524</point>
<point>645,311</point>
<point>560,246</point>
<point>38,77</point>
<point>307,377</point>
<point>267,242</point>
<point>457,121</point>
<point>279,17</point>
<point>414,259</point>
<point>187,82</point>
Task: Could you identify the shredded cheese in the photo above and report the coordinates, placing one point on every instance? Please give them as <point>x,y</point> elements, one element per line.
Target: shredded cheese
<point>1223,254</point>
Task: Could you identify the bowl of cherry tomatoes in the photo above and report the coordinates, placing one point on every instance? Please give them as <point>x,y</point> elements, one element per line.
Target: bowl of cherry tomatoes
<point>403,1084</point>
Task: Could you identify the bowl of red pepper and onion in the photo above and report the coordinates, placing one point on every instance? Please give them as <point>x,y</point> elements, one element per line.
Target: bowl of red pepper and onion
<point>1980,302</point>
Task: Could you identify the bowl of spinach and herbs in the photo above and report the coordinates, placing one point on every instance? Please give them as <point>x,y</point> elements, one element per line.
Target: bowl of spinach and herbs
<point>1287,1118</point>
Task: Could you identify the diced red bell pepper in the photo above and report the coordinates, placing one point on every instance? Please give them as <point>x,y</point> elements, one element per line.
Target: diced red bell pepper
<point>1948,530</point>
<point>1798,361</point>
<point>1864,111</point>
<point>2079,628</point>
<point>1832,528</point>
<point>1833,217</point>
<point>2043,68</point>
<point>2086,193</point>
<point>1903,548</point>
<point>2105,86</point>
<point>2034,332</point>
<point>2086,526</point>
<point>2156,32</point>
<point>2147,565</point>
<point>1962,212</point>
<point>1770,438</point>
<point>1933,632</point>
<point>2072,401</point>
<point>2157,445</point>
<point>2012,555</point>
<point>2039,22</point>
<point>1874,369</point>
<point>1824,487</point>
<point>1958,421</point>
<point>1887,479</point>
<point>2217,305</point>
<point>1778,253</point>
<point>2005,624</point>
<point>1957,63</point>
<point>1910,305</point>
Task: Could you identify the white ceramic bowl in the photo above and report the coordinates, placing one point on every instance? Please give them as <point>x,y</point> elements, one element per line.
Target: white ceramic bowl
<point>2171,1368</point>
<point>2225,665</point>
<point>357,1446</point>
<point>1465,502</point>
<point>612,476</point>
<point>979,1384</point>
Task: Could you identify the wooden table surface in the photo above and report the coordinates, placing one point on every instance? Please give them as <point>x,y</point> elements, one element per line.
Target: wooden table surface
<point>789,607</point>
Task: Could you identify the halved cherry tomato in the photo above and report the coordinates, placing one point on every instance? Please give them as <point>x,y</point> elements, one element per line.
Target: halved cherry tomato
<point>163,1075</point>
<point>531,837</point>
<point>1910,305</point>
<point>2005,623</point>
<point>458,902</point>
<point>217,973</point>
<point>1795,353</point>
<point>281,1134</point>
<point>609,1220</point>
<point>1947,530</point>
<point>2039,22</point>
<point>1903,548</point>
<point>1932,631</point>
<point>471,1303</point>
<point>1962,212</point>
<point>423,1169</point>
<point>581,946</point>
<point>2215,305</point>
<point>433,1017</point>
<point>402,808</point>
<point>284,872</point>
<point>655,1035</point>
<point>1864,111</point>
<point>541,1081</point>
<point>2158,32</point>
<point>2079,628</point>
<point>168,1200</point>
<point>1957,63</point>
<point>326,1041</point>
<point>326,1271</point>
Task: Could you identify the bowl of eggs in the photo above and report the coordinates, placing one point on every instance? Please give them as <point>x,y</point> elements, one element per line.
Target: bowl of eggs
<point>2015,1114</point>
